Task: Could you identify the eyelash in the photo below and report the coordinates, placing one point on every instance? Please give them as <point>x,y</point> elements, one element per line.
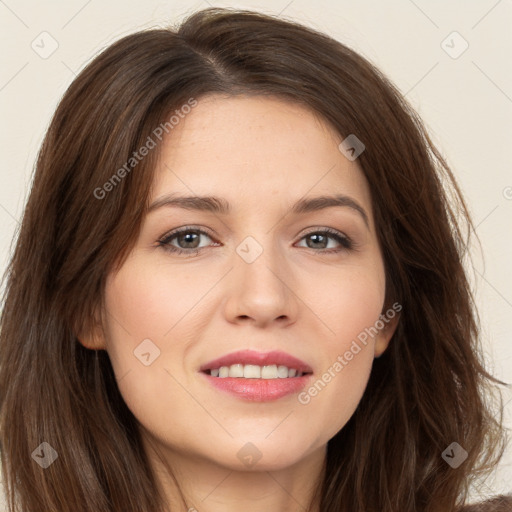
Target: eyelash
<point>164,242</point>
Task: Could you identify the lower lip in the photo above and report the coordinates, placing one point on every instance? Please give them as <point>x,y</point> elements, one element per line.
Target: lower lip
<point>259,390</point>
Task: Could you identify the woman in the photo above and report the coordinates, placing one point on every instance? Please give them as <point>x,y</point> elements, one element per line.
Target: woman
<point>320,351</point>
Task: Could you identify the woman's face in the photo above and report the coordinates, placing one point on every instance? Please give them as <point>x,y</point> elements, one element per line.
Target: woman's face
<point>265,279</point>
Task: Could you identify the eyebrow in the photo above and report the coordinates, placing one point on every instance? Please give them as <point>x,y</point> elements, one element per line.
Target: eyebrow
<point>221,206</point>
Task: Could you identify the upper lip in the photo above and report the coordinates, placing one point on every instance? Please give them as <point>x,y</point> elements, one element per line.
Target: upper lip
<point>258,358</point>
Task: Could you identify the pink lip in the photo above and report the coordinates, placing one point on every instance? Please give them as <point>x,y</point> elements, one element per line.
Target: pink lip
<point>258,358</point>
<point>258,390</point>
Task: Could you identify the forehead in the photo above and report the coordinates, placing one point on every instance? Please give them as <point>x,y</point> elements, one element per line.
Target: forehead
<point>250,149</point>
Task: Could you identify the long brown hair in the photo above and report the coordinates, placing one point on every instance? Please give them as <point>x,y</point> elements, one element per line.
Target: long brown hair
<point>427,391</point>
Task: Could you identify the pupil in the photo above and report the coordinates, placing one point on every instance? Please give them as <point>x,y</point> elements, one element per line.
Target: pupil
<point>316,237</point>
<point>186,235</point>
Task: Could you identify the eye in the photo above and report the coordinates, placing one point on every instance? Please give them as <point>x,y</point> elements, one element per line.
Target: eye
<point>187,240</point>
<point>319,239</point>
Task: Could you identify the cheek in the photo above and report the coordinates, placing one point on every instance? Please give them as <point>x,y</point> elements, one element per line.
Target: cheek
<point>141,308</point>
<point>350,305</point>
<point>144,311</point>
<point>336,390</point>
<point>144,301</point>
<point>349,302</point>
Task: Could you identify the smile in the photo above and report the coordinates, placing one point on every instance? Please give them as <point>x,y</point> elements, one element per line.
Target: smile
<point>252,371</point>
<point>257,376</point>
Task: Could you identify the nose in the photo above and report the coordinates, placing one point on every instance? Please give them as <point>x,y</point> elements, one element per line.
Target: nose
<point>261,292</point>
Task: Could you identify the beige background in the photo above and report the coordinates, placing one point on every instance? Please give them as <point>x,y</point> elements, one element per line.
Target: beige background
<point>466,101</point>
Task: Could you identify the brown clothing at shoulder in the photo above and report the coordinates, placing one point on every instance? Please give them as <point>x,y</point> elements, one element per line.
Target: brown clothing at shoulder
<point>498,504</point>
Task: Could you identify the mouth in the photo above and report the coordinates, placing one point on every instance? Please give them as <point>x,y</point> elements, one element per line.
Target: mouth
<point>250,364</point>
<point>257,376</point>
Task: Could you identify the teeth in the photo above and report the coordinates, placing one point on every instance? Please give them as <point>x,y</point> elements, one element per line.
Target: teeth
<point>252,371</point>
<point>236,370</point>
<point>270,372</point>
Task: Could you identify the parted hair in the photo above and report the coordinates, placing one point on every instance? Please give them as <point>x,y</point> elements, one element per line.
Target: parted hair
<point>429,389</point>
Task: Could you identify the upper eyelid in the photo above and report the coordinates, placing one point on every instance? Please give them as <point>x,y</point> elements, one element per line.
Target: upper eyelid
<point>185,229</point>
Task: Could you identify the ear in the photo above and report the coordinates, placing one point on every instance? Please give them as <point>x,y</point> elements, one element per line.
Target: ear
<point>383,338</point>
<point>93,337</point>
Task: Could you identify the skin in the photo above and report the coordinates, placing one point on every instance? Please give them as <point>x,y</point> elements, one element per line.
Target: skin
<point>261,155</point>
